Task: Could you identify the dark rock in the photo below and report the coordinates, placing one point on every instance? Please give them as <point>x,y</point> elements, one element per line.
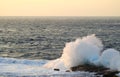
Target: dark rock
<point>56,69</point>
<point>88,67</point>
<point>110,74</point>
<point>100,70</point>
<point>11,51</point>
<point>67,71</point>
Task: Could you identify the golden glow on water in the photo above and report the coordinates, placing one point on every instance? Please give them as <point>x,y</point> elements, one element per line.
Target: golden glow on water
<point>59,7</point>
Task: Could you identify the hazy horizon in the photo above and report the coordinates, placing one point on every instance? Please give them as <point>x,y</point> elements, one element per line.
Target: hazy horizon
<point>59,8</point>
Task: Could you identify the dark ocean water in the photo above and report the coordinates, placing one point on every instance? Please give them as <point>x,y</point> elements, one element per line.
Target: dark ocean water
<point>45,37</point>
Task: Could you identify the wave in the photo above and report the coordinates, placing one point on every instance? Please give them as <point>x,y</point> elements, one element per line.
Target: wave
<point>23,61</point>
<point>11,67</point>
<point>86,50</point>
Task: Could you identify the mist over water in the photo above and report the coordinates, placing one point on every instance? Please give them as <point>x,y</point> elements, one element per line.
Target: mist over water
<point>45,37</point>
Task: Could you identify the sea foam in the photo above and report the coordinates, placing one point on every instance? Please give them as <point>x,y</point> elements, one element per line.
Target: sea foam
<point>107,56</point>
<point>82,51</point>
<point>87,50</point>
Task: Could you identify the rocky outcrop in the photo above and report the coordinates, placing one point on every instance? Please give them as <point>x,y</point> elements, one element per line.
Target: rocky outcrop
<point>100,70</point>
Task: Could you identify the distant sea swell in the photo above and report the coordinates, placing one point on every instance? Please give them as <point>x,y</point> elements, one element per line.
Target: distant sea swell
<point>45,37</point>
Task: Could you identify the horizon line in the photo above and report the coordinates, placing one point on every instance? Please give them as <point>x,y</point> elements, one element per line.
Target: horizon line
<point>60,16</point>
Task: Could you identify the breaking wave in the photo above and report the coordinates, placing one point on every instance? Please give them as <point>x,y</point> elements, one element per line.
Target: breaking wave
<point>86,50</point>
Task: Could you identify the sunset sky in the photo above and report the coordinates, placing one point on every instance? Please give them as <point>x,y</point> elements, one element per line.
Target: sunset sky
<point>59,7</point>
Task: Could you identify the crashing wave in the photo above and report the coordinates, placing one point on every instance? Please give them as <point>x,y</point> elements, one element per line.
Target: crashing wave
<point>86,50</point>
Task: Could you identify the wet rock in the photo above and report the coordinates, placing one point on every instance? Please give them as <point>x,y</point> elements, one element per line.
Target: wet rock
<point>56,69</point>
<point>105,72</point>
<point>67,71</point>
<point>110,73</point>
<point>88,67</point>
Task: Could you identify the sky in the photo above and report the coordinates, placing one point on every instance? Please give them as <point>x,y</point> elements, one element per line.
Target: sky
<point>59,7</point>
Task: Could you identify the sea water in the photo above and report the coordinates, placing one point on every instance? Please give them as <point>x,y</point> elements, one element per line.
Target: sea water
<point>43,38</point>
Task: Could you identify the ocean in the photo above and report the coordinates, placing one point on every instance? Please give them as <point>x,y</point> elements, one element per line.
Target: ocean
<point>45,37</point>
<point>23,40</point>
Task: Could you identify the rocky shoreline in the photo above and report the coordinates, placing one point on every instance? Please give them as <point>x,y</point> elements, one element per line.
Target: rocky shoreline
<point>100,70</point>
